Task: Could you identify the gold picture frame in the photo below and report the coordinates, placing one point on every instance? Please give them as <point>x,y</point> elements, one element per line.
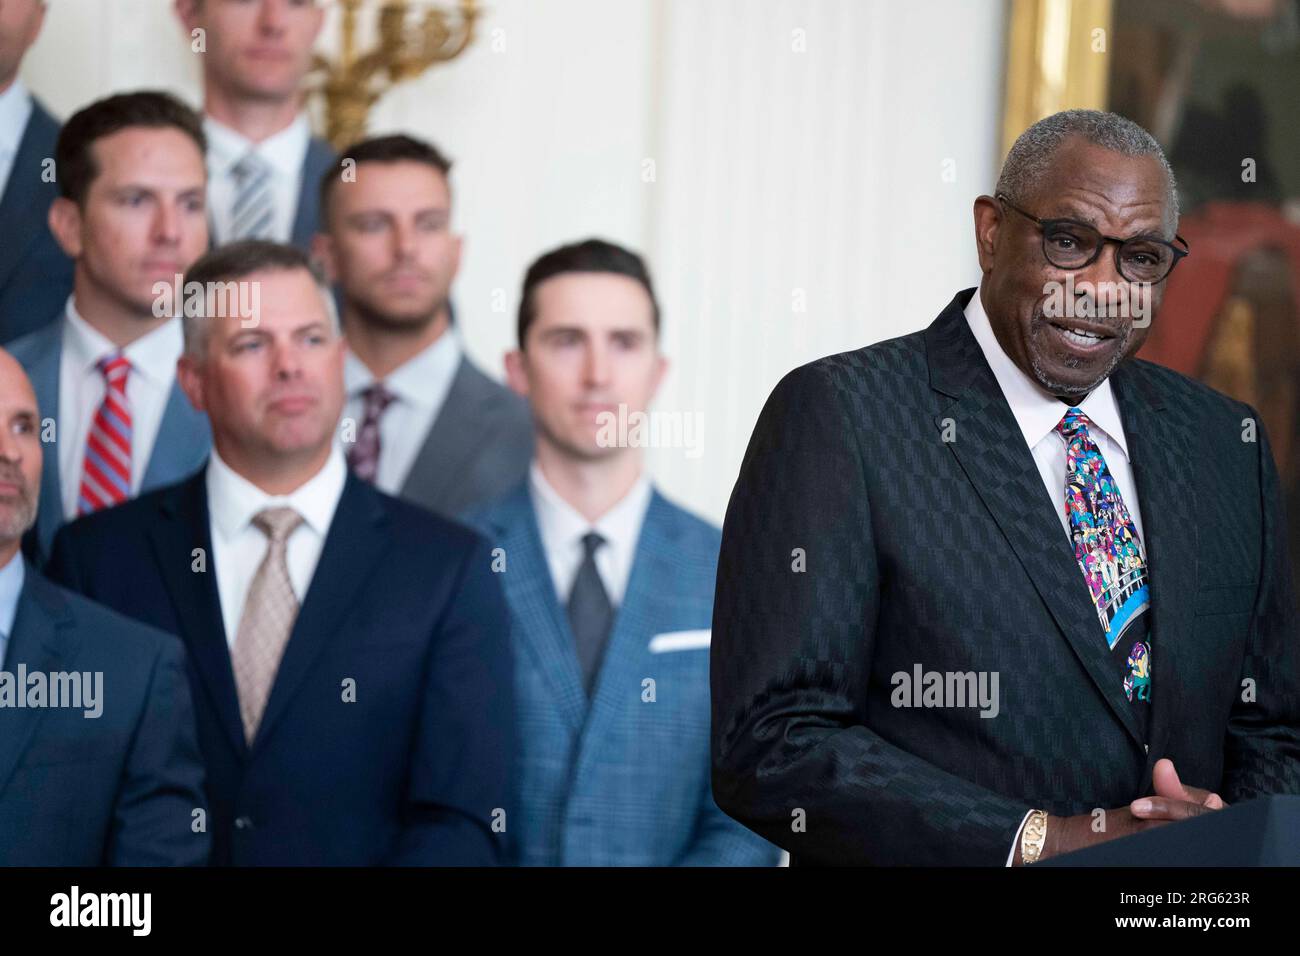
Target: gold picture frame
<point>1056,60</point>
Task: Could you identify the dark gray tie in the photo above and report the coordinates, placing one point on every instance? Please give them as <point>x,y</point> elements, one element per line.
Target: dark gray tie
<point>590,614</point>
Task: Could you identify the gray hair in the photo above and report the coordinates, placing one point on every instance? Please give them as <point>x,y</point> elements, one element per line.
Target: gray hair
<point>218,272</point>
<point>1031,154</point>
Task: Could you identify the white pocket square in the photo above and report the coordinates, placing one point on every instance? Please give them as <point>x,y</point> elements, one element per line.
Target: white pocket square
<point>680,641</point>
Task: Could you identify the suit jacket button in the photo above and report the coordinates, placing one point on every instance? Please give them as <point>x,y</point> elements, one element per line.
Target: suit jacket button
<point>1146,748</point>
<point>243,823</point>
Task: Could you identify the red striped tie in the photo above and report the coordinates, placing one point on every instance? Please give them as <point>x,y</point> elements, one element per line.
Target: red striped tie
<point>106,475</point>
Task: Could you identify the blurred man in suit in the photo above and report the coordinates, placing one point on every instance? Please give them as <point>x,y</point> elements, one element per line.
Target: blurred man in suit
<point>35,275</point>
<point>131,215</point>
<point>981,580</point>
<point>348,651</point>
<point>263,161</point>
<point>108,773</point>
<point>610,591</point>
<point>429,425</point>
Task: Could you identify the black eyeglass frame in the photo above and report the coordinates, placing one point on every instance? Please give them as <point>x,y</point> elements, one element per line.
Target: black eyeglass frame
<point>1045,224</point>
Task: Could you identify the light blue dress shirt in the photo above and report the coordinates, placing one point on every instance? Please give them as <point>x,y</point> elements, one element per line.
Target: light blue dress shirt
<point>11,588</point>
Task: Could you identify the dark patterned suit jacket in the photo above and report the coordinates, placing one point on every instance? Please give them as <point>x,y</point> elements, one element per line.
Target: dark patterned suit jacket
<point>929,539</point>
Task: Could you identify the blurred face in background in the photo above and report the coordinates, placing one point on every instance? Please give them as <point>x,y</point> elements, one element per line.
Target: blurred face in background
<point>591,346</point>
<point>255,49</point>
<point>389,244</point>
<point>273,392</point>
<point>20,24</point>
<point>20,455</point>
<point>143,219</point>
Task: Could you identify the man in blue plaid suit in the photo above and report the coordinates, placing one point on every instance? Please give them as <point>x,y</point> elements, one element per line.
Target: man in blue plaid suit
<point>610,589</point>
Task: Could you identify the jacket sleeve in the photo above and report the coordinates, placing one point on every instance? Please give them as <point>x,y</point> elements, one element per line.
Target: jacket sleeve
<point>456,801</point>
<point>1262,744</point>
<point>721,841</point>
<point>155,823</point>
<point>797,597</point>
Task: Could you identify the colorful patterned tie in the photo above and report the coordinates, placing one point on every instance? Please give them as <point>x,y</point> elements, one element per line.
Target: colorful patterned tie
<point>1109,553</point>
<point>267,621</point>
<point>106,474</point>
<point>363,457</point>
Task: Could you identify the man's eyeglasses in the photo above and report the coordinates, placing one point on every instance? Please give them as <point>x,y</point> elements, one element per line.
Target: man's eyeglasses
<point>1070,244</point>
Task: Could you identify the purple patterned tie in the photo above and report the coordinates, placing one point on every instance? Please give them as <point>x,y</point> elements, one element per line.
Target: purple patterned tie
<point>364,455</point>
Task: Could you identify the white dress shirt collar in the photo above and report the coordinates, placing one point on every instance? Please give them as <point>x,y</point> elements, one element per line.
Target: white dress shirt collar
<point>1038,412</point>
<point>422,380</point>
<point>233,500</point>
<point>153,355</point>
<point>15,111</point>
<point>562,527</point>
<point>285,150</point>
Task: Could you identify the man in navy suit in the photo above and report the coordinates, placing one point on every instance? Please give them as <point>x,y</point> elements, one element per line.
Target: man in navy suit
<point>265,165</point>
<point>349,652</point>
<point>103,767</point>
<point>610,588</point>
<point>131,214</point>
<point>35,275</point>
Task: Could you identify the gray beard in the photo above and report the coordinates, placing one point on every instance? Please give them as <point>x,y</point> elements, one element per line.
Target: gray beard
<point>1060,388</point>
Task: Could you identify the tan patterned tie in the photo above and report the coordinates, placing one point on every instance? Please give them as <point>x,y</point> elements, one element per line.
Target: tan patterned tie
<point>268,617</point>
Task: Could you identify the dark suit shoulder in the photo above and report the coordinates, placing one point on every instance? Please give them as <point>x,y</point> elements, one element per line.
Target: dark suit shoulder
<point>1180,391</point>
<point>131,517</point>
<point>127,641</point>
<point>32,346</point>
<point>420,529</point>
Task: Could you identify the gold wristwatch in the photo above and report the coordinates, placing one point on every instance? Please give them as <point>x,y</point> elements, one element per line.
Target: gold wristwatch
<point>1033,836</point>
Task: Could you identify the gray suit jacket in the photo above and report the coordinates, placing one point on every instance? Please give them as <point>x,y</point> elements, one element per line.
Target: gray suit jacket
<point>184,436</point>
<point>478,447</point>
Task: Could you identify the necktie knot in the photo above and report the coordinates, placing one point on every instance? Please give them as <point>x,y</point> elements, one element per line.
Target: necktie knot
<point>377,398</point>
<point>1072,423</point>
<point>250,167</point>
<point>114,368</point>
<point>277,523</point>
<point>590,542</point>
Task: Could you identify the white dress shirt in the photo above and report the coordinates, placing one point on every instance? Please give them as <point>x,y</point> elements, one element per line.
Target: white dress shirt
<point>238,546</point>
<point>420,385</point>
<point>562,529</point>
<point>81,391</point>
<point>15,111</point>
<point>1037,412</point>
<point>285,152</point>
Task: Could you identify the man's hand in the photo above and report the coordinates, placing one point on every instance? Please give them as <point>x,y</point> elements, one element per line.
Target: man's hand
<point>1171,801</point>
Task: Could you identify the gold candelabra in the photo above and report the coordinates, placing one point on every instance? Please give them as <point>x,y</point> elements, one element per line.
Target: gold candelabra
<point>352,83</point>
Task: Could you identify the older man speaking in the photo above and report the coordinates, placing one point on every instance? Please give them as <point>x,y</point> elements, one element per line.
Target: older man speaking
<point>996,590</point>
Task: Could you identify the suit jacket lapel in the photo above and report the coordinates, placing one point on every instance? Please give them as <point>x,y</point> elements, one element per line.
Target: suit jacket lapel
<point>991,451</point>
<point>184,438</point>
<point>646,603</point>
<point>20,206</point>
<point>43,371</point>
<point>453,437</point>
<point>42,641</point>
<point>1160,445</point>
<point>319,158</point>
<point>184,527</point>
<point>543,628</point>
<point>353,545</point>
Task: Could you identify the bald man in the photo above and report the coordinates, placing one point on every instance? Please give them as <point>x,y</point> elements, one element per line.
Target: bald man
<point>99,761</point>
